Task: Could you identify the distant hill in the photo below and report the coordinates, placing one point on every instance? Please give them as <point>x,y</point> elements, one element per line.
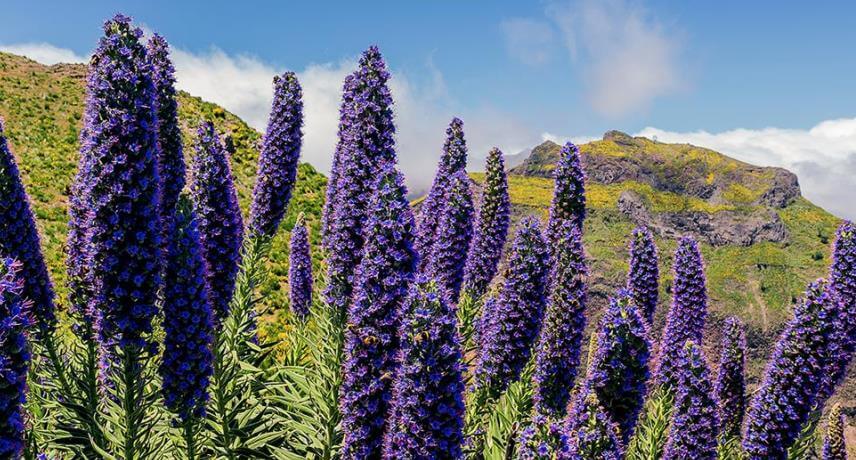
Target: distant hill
<point>43,108</point>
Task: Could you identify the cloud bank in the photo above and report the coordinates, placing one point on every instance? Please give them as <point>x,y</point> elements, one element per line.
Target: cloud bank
<point>44,53</point>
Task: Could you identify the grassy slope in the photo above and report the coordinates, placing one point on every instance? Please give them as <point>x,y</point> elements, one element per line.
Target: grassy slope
<point>43,108</point>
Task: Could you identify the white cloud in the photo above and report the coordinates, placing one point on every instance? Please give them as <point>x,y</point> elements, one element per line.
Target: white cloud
<point>529,40</point>
<point>823,157</point>
<point>624,55</point>
<point>44,53</point>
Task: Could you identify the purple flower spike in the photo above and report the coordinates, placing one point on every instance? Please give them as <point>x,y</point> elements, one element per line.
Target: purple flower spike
<point>834,445</point>
<point>789,391</point>
<point>643,277</point>
<point>188,321</point>
<point>618,371</point>
<point>278,160</point>
<point>454,233</point>
<point>453,161</point>
<point>590,433</point>
<point>730,388</point>
<point>558,347</point>
<point>371,340</point>
<point>491,228</point>
<point>569,198</point>
<point>366,142</point>
<point>119,149</point>
<point>688,310</point>
<point>512,323</point>
<point>14,358</point>
<point>221,228</point>
<point>300,270</point>
<point>426,417</point>
<point>19,239</point>
<point>695,423</point>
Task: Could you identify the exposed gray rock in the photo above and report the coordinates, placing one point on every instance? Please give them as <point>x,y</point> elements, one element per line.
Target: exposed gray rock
<point>785,189</point>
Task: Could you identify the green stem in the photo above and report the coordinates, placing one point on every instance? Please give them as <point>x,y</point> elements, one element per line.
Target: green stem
<point>190,438</point>
<point>130,403</point>
<point>220,389</point>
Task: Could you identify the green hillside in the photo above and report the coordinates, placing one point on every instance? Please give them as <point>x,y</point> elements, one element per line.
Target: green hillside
<point>43,108</point>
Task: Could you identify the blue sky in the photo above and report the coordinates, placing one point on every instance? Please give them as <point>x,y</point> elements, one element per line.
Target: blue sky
<point>767,82</point>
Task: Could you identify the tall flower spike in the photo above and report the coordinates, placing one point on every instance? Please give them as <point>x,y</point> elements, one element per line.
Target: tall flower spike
<point>643,277</point>
<point>688,310</point>
<point>695,423</point>
<point>368,142</point>
<point>221,228</point>
<point>188,321</point>
<point>569,198</point>
<point>19,239</point>
<point>371,339</point>
<point>842,277</point>
<point>454,233</point>
<point>300,270</point>
<point>340,158</point>
<point>558,350</point>
<point>14,358</point>
<point>278,160</point>
<point>834,447</point>
<point>590,433</point>
<point>730,388</point>
<point>789,390</point>
<point>171,166</point>
<point>426,417</point>
<point>491,228</point>
<point>120,142</point>
<point>453,161</point>
<point>515,318</point>
<point>618,370</point>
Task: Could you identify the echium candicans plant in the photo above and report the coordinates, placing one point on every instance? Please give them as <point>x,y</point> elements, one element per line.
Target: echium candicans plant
<point>188,323</point>
<point>511,325</point>
<point>452,161</point>
<point>171,168</point>
<point>788,393</point>
<point>14,358</point>
<point>300,270</point>
<point>427,414</point>
<point>367,143</point>
<point>590,433</point>
<point>277,170</point>
<point>569,198</point>
<point>695,422</point>
<point>558,350</point>
<point>730,386</point>
<point>618,368</point>
<point>221,228</point>
<point>643,277</point>
<point>19,240</point>
<point>454,232</point>
<point>842,278</point>
<point>834,446</point>
<point>383,278</point>
<point>491,228</point>
<point>688,310</point>
<point>340,158</point>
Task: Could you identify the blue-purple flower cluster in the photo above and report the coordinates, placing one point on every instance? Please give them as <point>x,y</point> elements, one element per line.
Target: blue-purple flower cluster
<point>644,275</point>
<point>453,234</point>
<point>558,350</point>
<point>277,170</point>
<point>491,228</point>
<point>19,239</point>
<point>730,387</point>
<point>453,161</point>
<point>511,324</point>
<point>695,420</point>
<point>590,432</point>
<point>371,340</point>
<point>188,321</point>
<point>300,270</point>
<point>426,417</point>
<point>687,313</point>
<point>14,358</point>
<point>221,227</point>
<point>782,404</point>
<point>569,199</point>
<point>366,142</point>
<point>618,371</point>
